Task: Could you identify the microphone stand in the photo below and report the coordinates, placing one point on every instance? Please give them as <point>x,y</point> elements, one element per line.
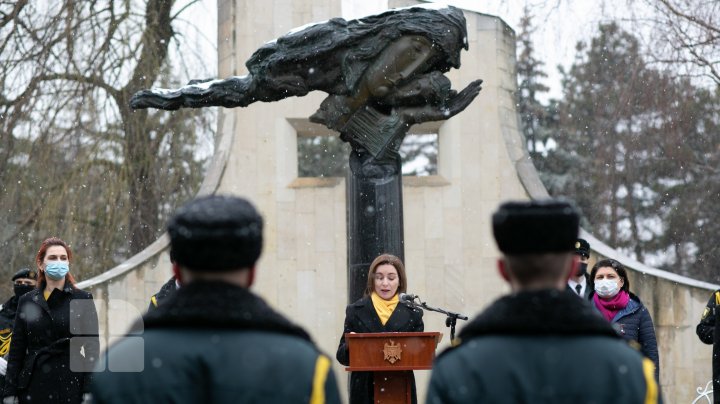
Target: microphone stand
<point>450,321</point>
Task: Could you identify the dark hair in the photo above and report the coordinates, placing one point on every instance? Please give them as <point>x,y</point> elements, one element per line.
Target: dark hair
<point>390,260</point>
<point>40,257</point>
<point>609,263</point>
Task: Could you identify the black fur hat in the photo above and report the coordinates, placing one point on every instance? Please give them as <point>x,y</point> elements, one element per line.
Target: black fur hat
<point>215,234</point>
<point>535,227</point>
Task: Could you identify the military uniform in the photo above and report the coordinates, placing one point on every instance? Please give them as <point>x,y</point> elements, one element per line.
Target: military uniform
<point>582,248</point>
<point>8,311</point>
<point>707,331</point>
<point>9,308</point>
<point>530,347</point>
<point>216,343</point>
<point>539,344</point>
<point>213,340</point>
<point>167,289</point>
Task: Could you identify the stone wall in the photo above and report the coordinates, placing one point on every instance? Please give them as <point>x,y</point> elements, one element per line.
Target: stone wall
<point>450,253</point>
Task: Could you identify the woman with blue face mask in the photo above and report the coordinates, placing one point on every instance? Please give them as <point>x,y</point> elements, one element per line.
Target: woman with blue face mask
<point>610,293</point>
<point>55,342</point>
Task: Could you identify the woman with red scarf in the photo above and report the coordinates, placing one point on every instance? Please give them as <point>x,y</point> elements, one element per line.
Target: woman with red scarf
<point>610,293</point>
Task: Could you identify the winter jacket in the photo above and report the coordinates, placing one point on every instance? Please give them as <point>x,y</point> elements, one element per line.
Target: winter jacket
<point>213,342</point>
<point>54,347</point>
<point>7,321</point>
<point>541,347</point>
<point>707,331</point>
<point>361,317</point>
<point>634,323</point>
<point>167,289</point>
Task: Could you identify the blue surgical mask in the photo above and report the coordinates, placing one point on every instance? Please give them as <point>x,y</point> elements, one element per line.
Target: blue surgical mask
<point>57,270</point>
<point>607,287</point>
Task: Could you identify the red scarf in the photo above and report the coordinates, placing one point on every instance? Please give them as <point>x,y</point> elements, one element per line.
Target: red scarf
<point>609,308</point>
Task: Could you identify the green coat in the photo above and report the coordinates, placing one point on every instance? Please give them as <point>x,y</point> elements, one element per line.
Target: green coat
<point>541,347</point>
<point>215,343</point>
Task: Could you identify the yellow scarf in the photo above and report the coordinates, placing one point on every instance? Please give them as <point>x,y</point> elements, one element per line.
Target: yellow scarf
<point>384,308</point>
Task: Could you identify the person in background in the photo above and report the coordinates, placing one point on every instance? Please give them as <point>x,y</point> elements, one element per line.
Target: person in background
<point>167,289</point>
<point>578,282</point>
<point>378,311</point>
<point>610,293</point>
<point>707,331</point>
<point>213,340</point>
<point>55,341</point>
<point>540,344</point>
<point>23,281</point>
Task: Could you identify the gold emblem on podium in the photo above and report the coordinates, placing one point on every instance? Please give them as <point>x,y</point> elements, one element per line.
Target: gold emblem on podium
<point>392,351</point>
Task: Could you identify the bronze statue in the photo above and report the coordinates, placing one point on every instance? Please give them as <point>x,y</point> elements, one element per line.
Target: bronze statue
<point>383,73</point>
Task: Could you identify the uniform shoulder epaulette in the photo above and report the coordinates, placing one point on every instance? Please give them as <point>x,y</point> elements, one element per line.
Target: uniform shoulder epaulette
<point>717,297</point>
<point>153,300</point>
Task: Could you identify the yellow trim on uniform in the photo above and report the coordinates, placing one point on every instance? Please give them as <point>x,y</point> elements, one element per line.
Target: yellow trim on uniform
<point>153,300</point>
<point>5,336</point>
<point>651,394</point>
<point>322,366</point>
<point>717,297</point>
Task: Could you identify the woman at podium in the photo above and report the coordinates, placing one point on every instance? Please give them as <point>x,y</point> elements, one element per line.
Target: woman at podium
<point>378,311</point>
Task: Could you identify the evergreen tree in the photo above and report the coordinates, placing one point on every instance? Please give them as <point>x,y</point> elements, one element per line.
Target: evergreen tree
<point>637,149</point>
<point>533,115</point>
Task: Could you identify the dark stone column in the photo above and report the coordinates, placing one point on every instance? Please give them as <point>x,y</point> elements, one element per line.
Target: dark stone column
<point>374,215</point>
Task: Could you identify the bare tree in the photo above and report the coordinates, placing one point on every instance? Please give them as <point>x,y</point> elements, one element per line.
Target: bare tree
<point>686,34</point>
<point>75,160</point>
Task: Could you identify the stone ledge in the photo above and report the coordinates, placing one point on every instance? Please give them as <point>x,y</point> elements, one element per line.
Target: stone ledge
<point>425,181</point>
<point>316,182</point>
<point>331,182</point>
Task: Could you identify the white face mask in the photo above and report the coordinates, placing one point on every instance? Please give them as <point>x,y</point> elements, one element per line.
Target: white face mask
<point>607,287</point>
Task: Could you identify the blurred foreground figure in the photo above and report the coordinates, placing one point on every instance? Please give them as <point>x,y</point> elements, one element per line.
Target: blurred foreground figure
<point>708,332</point>
<point>213,340</point>
<point>540,344</point>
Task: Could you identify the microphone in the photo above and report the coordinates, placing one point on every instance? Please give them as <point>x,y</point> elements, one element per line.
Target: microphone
<point>407,297</point>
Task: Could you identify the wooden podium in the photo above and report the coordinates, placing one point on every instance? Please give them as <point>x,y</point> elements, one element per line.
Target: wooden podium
<point>392,356</point>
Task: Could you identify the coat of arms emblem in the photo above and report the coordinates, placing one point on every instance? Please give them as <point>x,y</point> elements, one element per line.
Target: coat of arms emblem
<point>392,351</point>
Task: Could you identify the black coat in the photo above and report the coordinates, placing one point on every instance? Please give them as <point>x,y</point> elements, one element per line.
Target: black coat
<point>7,313</point>
<point>708,330</point>
<point>213,342</point>
<point>54,347</point>
<point>166,290</point>
<point>361,317</point>
<point>7,321</point>
<point>541,347</point>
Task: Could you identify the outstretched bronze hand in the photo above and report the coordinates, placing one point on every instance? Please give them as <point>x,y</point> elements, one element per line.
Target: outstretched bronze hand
<point>452,106</point>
